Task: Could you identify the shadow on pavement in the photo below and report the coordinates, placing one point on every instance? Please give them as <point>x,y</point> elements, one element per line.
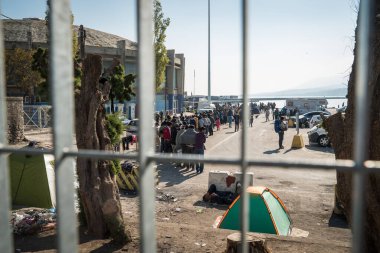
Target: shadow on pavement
<point>47,241</point>
<point>201,203</point>
<point>316,147</point>
<point>230,132</point>
<point>171,175</point>
<point>338,221</point>
<point>269,152</point>
<point>290,149</point>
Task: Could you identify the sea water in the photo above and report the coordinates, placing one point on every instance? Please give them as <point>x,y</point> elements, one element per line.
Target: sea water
<point>332,103</point>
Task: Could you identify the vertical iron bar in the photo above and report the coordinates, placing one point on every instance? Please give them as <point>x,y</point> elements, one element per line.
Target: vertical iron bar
<point>61,81</point>
<point>361,124</point>
<point>209,55</point>
<point>146,88</point>
<point>6,241</point>
<point>244,137</point>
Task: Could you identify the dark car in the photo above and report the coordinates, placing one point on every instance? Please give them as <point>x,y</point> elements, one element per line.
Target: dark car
<point>304,119</point>
<point>309,115</point>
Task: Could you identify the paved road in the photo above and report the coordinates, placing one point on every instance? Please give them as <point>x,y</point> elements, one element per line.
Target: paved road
<point>308,194</point>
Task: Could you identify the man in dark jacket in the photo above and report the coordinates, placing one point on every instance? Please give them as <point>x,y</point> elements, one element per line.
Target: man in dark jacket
<point>199,147</point>
<point>279,127</point>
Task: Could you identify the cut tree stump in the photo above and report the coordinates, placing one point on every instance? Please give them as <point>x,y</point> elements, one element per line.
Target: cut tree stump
<point>255,245</point>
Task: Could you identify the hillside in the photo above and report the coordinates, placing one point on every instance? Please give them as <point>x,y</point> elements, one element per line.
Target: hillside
<point>320,91</point>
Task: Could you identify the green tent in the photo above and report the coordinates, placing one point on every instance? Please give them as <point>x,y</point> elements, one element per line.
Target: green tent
<point>267,213</point>
<point>32,180</point>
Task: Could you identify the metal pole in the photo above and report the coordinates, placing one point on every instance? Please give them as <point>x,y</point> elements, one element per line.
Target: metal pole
<point>297,122</point>
<point>6,241</point>
<point>244,214</point>
<point>209,56</point>
<point>361,125</point>
<point>146,76</point>
<point>194,92</point>
<point>61,80</point>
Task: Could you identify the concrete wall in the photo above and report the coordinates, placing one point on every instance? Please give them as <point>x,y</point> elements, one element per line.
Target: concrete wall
<point>15,116</point>
<point>226,181</point>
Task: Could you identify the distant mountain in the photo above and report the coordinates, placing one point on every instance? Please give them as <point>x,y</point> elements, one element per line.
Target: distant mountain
<point>318,92</point>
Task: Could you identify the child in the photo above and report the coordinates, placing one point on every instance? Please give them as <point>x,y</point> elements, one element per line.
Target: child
<point>217,123</point>
<point>251,121</point>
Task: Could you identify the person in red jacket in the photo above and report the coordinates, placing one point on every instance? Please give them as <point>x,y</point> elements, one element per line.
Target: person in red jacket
<point>166,135</point>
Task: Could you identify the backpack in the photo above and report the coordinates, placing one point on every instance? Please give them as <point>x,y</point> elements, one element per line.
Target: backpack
<point>277,127</point>
<point>283,126</point>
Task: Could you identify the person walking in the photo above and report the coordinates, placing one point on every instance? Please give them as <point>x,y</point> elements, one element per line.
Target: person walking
<point>237,121</point>
<point>251,120</point>
<point>199,147</point>
<point>280,127</point>
<point>276,113</point>
<point>267,114</point>
<point>207,124</point>
<point>230,117</point>
<point>217,123</point>
<point>211,127</point>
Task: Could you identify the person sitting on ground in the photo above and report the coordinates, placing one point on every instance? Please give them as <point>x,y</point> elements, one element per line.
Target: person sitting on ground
<point>219,197</point>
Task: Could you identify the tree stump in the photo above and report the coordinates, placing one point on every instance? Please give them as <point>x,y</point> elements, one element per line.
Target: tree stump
<point>255,245</point>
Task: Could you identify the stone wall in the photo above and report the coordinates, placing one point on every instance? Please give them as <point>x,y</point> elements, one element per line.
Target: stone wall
<point>15,117</point>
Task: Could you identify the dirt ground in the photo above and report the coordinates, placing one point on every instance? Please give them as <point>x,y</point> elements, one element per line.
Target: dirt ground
<point>184,222</point>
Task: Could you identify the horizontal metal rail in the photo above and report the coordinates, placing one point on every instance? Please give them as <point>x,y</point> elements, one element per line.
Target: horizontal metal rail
<point>340,165</point>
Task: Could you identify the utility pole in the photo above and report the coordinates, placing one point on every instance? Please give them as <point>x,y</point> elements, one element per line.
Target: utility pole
<point>194,91</point>
<point>209,58</point>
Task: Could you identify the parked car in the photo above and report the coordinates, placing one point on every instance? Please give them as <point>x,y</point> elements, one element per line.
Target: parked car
<point>132,126</point>
<point>315,120</point>
<point>304,119</point>
<point>309,115</point>
<point>319,135</point>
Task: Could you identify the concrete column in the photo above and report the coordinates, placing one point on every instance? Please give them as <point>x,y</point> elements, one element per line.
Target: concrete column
<point>181,82</point>
<point>121,51</point>
<point>170,68</point>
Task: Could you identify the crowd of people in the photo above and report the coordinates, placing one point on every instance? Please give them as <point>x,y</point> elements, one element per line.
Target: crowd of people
<point>188,133</point>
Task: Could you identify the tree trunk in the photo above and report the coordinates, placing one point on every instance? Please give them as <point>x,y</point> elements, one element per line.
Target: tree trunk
<point>112,105</point>
<point>97,185</point>
<point>255,245</point>
<point>341,132</point>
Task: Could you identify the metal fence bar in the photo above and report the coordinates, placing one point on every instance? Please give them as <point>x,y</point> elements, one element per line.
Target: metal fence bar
<point>62,83</point>
<point>99,154</point>
<point>339,165</point>
<point>361,124</point>
<point>146,89</point>
<point>6,242</point>
<point>244,214</point>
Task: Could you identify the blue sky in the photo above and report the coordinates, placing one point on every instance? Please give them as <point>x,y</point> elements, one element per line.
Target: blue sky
<point>293,43</point>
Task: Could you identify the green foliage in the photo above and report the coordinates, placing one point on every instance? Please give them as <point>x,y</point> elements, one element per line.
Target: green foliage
<point>114,127</point>
<point>121,85</point>
<point>41,62</point>
<point>115,166</point>
<point>160,26</point>
<point>19,71</point>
